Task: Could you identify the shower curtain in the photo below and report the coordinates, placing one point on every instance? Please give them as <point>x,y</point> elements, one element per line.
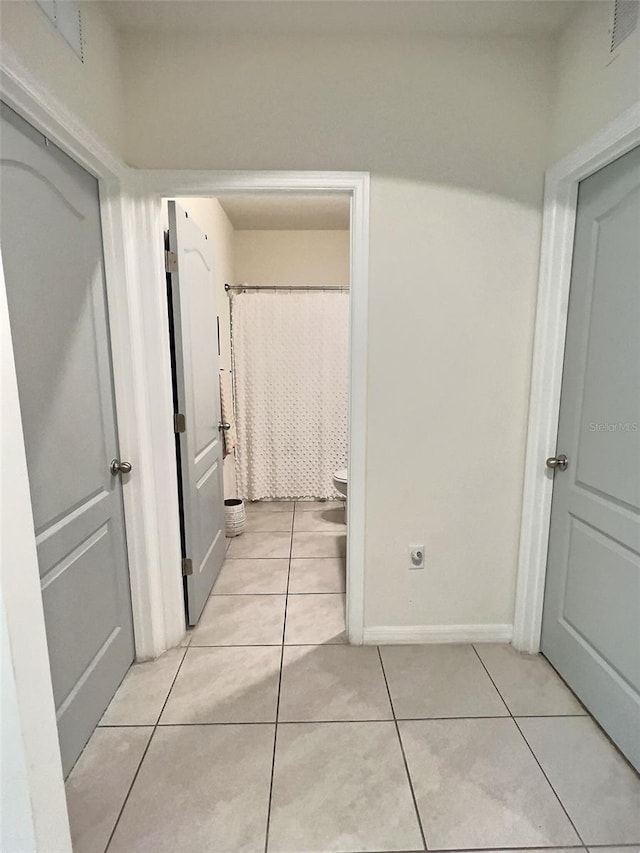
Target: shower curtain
<point>291,367</point>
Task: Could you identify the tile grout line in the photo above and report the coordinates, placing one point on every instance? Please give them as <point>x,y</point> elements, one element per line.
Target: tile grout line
<point>575,828</point>
<point>316,557</point>
<point>539,848</point>
<point>535,757</point>
<point>329,722</point>
<point>275,733</point>
<point>404,757</point>
<point>258,645</point>
<point>144,754</point>
<point>236,594</point>
<point>550,848</point>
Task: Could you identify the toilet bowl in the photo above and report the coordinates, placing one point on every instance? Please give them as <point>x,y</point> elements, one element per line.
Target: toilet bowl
<point>340,481</point>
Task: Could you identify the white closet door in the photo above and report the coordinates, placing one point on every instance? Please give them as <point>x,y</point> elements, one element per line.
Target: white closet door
<point>53,264</point>
<point>591,624</point>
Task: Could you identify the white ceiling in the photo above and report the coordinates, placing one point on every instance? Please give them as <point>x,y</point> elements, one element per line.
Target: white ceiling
<point>287,212</point>
<point>345,17</point>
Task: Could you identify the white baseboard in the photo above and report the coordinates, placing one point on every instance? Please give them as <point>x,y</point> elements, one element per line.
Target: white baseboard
<point>400,634</point>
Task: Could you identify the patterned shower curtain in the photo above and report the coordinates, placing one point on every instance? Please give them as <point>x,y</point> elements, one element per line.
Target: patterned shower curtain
<point>291,368</point>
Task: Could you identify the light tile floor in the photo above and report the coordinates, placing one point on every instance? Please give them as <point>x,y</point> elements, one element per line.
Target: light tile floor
<point>266,733</point>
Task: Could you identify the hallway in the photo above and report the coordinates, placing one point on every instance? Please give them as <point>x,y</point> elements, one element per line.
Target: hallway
<point>266,732</point>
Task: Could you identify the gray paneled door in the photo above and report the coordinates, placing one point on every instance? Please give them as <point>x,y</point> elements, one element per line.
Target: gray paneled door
<point>53,264</point>
<point>591,622</point>
<point>196,376</point>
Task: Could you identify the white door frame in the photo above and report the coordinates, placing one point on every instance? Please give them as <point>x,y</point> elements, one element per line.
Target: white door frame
<point>158,184</point>
<point>558,226</point>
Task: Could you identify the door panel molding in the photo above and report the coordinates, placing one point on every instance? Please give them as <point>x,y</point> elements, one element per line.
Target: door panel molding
<point>556,255</point>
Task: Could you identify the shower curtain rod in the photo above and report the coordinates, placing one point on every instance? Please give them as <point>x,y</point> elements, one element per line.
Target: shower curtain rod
<point>231,287</point>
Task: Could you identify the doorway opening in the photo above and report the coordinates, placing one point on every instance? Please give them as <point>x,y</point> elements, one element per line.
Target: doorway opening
<point>258,288</point>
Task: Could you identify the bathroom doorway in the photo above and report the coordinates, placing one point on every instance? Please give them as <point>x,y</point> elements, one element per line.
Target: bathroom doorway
<point>281,270</point>
<point>148,260</point>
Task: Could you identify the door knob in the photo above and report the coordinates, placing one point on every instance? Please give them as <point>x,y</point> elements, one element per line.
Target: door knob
<point>224,425</point>
<point>118,467</point>
<point>560,462</point>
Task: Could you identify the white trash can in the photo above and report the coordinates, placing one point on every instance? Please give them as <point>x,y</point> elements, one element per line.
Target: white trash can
<point>235,517</point>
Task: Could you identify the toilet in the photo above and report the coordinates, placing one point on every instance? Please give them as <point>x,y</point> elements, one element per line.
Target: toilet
<point>340,481</point>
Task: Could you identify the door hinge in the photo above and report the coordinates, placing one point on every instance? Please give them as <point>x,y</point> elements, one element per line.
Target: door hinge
<point>179,422</point>
<point>187,567</point>
<point>170,261</point>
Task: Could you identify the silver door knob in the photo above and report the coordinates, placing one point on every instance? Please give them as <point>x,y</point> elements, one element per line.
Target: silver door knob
<point>560,462</point>
<point>224,425</point>
<point>118,467</point>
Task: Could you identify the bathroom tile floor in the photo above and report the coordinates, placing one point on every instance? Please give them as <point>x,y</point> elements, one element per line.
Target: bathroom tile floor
<point>266,733</point>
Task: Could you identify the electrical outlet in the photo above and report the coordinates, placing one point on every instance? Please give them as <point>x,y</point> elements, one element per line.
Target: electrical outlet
<point>416,556</point>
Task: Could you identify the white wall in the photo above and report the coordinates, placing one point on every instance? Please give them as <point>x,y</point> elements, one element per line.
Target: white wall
<point>91,89</point>
<point>291,258</point>
<point>210,216</point>
<point>455,134</point>
<point>593,86</point>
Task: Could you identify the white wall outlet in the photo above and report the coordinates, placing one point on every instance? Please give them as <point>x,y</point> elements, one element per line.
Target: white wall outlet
<point>416,556</point>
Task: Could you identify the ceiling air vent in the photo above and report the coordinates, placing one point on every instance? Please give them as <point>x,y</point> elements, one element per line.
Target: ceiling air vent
<point>66,18</point>
<point>625,20</point>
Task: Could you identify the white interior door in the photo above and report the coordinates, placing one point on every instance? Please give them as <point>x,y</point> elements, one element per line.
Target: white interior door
<point>591,623</point>
<point>53,264</point>
<point>196,375</point>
